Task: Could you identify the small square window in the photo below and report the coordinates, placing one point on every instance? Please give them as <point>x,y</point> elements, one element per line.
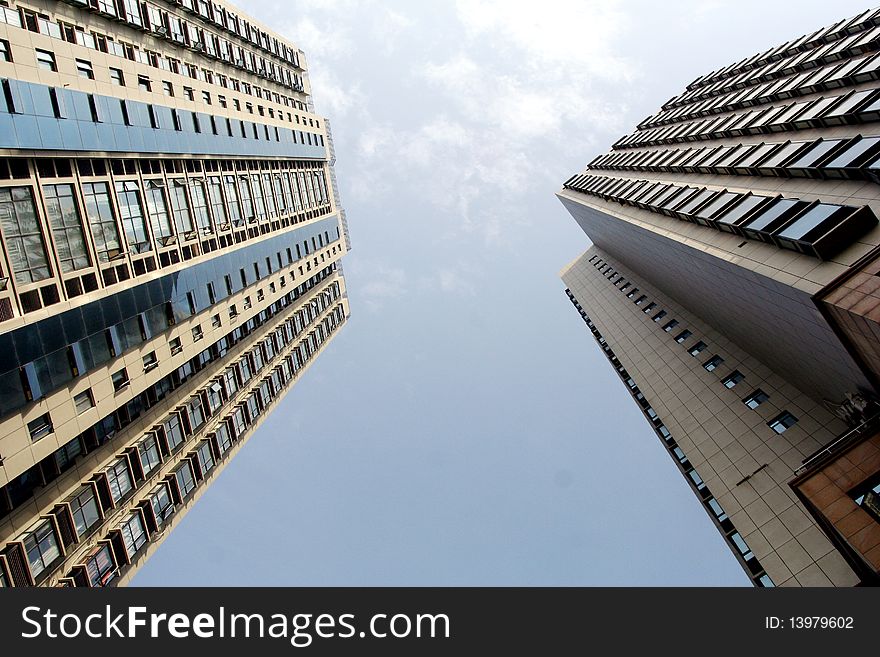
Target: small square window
<point>41,427</point>
<point>176,346</point>
<point>144,83</point>
<point>684,335</point>
<point>188,93</point>
<point>697,348</point>
<point>197,333</point>
<point>120,379</point>
<point>671,324</point>
<point>712,364</point>
<point>116,76</point>
<point>649,307</point>
<point>215,321</point>
<point>233,312</point>
<point>755,399</point>
<point>167,88</point>
<point>5,51</point>
<point>632,293</point>
<point>83,401</point>
<point>46,60</point>
<point>782,422</point>
<point>150,361</point>
<point>659,316</point>
<point>84,69</point>
<point>733,378</point>
<point>640,300</point>
<point>624,286</point>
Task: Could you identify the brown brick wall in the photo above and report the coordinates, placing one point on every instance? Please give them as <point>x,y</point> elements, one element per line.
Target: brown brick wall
<point>828,491</point>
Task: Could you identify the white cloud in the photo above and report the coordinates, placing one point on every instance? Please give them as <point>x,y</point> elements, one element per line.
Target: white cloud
<point>381,282</point>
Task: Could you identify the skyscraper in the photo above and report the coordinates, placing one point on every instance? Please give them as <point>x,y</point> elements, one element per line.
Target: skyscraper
<point>171,243</point>
<point>733,285</point>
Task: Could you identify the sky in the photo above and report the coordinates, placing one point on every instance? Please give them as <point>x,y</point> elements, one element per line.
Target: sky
<point>464,428</point>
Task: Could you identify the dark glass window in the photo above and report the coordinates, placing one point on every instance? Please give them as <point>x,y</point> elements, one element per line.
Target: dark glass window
<point>733,378</point>
<point>782,422</point>
<point>755,399</point>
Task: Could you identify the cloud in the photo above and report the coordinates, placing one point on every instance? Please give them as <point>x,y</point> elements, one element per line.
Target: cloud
<point>378,282</point>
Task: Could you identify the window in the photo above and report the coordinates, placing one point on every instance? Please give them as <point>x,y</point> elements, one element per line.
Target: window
<point>116,76</point>
<point>632,293</point>
<point>148,452</point>
<point>167,88</point>
<point>163,505</point>
<point>188,93</point>
<point>215,321</point>
<point>84,69</point>
<point>41,547</point>
<point>46,60</point>
<point>131,211</point>
<point>195,412</point>
<point>5,51</point>
<point>119,479</point>
<point>144,83</point>
<point>40,428</point>
<point>712,364</point>
<point>684,335</point>
<point>67,231</point>
<point>639,301</point>
<point>671,324</point>
<point>83,401</point>
<point>175,345</point>
<point>659,316</point>
<point>180,206</point>
<point>157,209</point>
<point>755,399</point>
<point>733,378</point>
<point>867,496</point>
<point>206,457</point>
<point>185,479</point>
<point>649,307</point>
<point>120,379</point>
<point>102,223</point>
<point>173,431</point>
<point>697,348</point>
<point>134,534</point>
<point>197,333</point>
<point>100,566</point>
<point>21,228</point>
<point>84,508</point>
<point>782,422</point>
<point>150,361</point>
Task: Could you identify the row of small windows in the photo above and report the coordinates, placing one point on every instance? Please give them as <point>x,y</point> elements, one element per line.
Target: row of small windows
<point>812,228</point>
<point>734,538</point>
<point>779,424</point>
<point>182,32</point>
<point>849,108</point>
<point>41,548</point>
<point>192,414</point>
<point>46,101</point>
<point>806,48</point>
<point>173,218</point>
<point>779,82</point>
<point>854,158</point>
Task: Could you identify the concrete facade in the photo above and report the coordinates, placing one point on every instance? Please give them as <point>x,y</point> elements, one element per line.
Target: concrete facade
<point>172,240</point>
<point>745,210</point>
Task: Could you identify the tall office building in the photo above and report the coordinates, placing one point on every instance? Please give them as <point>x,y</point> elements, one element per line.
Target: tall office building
<point>171,245</point>
<point>733,285</point>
